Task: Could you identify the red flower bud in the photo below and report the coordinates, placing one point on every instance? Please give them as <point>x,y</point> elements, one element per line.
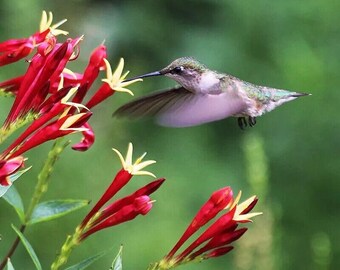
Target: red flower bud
<point>87,141</point>
<point>141,206</point>
<point>9,167</point>
<point>218,200</point>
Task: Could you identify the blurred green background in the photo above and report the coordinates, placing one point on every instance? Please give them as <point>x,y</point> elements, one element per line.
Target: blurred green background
<point>290,159</point>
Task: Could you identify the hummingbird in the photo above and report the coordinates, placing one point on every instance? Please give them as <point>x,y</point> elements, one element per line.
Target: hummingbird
<point>203,96</point>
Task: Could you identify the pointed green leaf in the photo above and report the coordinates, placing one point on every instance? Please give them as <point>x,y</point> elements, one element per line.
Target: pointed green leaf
<point>87,262</point>
<point>117,263</point>
<point>13,198</point>
<point>29,248</point>
<point>9,265</point>
<point>49,210</point>
<point>12,178</point>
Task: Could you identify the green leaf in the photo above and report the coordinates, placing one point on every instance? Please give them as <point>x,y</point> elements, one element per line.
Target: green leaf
<point>49,210</point>
<point>9,265</point>
<point>29,248</point>
<point>12,178</point>
<point>87,262</point>
<point>117,263</point>
<point>13,198</point>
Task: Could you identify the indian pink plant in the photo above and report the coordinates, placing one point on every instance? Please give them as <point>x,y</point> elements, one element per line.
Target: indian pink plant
<point>48,106</point>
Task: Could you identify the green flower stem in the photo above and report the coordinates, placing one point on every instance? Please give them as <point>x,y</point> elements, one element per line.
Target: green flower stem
<point>153,266</point>
<point>71,242</point>
<point>161,265</point>
<point>6,131</point>
<point>6,94</point>
<point>40,189</point>
<point>44,175</point>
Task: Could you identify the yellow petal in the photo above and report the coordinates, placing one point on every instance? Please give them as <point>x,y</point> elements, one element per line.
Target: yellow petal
<point>134,168</point>
<point>128,159</point>
<point>108,72</point>
<point>120,157</point>
<point>124,90</point>
<point>118,72</point>
<point>71,120</point>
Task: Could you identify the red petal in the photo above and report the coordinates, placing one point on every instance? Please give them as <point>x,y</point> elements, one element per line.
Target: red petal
<point>87,141</point>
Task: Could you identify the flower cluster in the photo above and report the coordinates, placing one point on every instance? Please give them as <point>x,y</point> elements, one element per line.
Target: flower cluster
<point>117,212</point>
<point>216,239</point>
<point>49,96</point>
<point>126,208</point>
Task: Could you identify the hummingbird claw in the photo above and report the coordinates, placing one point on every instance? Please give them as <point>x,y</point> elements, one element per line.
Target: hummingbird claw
<point>252,121</point>
<point>242,122</point>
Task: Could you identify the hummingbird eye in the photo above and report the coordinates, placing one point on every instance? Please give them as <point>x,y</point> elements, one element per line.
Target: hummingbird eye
<point>177,70</point>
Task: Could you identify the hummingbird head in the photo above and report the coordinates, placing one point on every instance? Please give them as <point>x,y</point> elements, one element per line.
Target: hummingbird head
<point>185,70</point>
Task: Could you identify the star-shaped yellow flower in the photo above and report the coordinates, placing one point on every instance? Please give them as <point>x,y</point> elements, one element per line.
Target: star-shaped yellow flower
<point>46,22</point>
<point>116,80</point>
<point>135,168</point>
<point>241,207</point>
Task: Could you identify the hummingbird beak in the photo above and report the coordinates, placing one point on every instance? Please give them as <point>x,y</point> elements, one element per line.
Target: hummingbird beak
<point>151,74</point>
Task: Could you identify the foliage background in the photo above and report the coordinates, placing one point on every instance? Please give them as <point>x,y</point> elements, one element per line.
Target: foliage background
<point>295,149</point>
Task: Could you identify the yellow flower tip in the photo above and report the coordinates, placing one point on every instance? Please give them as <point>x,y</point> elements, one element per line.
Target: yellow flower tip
<point>67,97</point>
<point>241,207</point>
<point>69,94</point>
<point>116,80</point>
<point>70,121</point>
<point>46,23</point>
<point>136,167</point>
<point>235,201</point>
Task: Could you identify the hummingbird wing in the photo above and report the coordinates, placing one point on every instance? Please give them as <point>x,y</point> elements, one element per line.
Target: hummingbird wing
<point>179,107</point>
<point>154,103</point>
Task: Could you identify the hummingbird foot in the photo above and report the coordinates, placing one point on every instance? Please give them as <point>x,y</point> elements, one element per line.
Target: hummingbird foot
<point>242,122</point>
<point>252,121</point>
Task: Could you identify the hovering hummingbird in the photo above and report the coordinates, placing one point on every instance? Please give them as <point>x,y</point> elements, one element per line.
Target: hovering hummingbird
<point>205,96</point>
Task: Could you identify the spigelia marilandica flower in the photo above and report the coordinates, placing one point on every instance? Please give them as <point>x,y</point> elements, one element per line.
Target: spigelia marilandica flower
<point>8,168</point>
<point>140,206</point>
<point>218,201</point>
<point>63,126</point>
<point>216,239</point>
<point>15,49</point>
<point>42,72</point>
<point>114,82</point>
<point>122,178</point>
<point>122,210</point>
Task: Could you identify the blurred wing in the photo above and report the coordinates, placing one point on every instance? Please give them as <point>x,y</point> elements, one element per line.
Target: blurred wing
<point>180,108</point>
<point>155,103</point>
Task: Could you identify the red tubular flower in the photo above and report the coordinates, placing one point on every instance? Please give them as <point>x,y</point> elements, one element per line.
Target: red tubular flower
<point>115,206</point>
<point>65,125</point>
<point>121,179</point>
<point>40,70</point>
<point>216,239</point>
<point>35,125</point>
<point>9,167</point>
<point>218,200</point>
<point>88,139</point>
<point>15,49</point>
<point>96,63</point>
<point>11,85</point>
<point>43,71</point>
<point>140,206</point>
<point>218,252</point>
<point>220,240</point>
<point>113,82</point>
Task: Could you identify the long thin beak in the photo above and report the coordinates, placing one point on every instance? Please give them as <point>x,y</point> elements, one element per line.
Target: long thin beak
<point>151,74</point>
